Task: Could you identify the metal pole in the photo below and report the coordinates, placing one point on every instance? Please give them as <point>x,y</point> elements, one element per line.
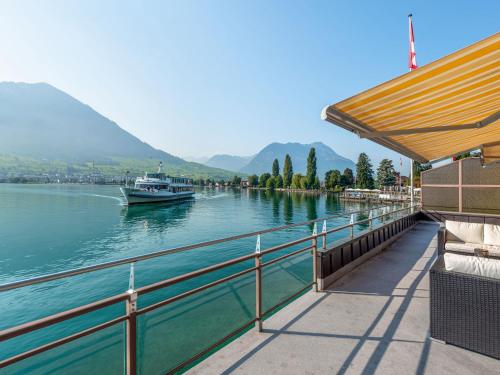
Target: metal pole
<point>411,182</point>
<point>131,311</point>
<point>324,235</point>
<point>258,287</point>
<point>460,199</point>
<point>352,225</point>
<point>315,257</point>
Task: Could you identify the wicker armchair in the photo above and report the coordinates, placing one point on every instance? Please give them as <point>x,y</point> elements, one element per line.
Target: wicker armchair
<point>465,310</point>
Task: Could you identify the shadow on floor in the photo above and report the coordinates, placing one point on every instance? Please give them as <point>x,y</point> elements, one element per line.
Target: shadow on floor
<point>391,267</point>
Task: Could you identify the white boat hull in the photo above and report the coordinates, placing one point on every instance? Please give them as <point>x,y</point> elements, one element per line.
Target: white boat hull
<point>137,196</point>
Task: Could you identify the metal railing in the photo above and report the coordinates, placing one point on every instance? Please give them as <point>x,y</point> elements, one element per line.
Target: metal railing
<point>130,296</point>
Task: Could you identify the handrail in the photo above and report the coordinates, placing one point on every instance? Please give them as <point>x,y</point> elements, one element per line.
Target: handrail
<point>118,262</point>
<point>130,299</point>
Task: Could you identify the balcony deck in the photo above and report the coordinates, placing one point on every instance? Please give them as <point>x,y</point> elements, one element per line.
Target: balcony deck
<point>374,320</point>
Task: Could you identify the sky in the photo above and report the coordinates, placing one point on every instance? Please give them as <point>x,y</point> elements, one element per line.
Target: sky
<point>197,78</point>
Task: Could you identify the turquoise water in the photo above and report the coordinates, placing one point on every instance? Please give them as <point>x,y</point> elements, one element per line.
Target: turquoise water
<point>51,228</point>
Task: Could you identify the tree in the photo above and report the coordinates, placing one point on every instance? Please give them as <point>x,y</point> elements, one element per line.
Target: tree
<point>418,168</point>
<point>332,179</point>
<point>236,181</point>
<point>278,181</point>
<point>287,172</point>
<point>385,173</point>
<point>347,178</point>
<point>364,172</point>
<point>304,183</point>
<point>263,179</point>
<point>311,167</point>
<point>316,184</point>
<point>296,181</point>
<point>276,168</point>
<point>253,180</point>
<point>271,183</point>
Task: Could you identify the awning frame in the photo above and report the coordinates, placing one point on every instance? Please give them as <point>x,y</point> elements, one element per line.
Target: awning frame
<point>444,128</point>
<point>441,110</point>
<point>353,125</point>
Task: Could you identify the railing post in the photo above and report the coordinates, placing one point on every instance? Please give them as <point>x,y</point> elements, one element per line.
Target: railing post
<point>315,256</point>
<point>258,286</point>
<point>352,225</point>
<point>323,231</point>
<point>131,311</point>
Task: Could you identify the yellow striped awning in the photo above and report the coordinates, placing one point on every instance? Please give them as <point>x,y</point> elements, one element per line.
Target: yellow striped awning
<point>439,110</point>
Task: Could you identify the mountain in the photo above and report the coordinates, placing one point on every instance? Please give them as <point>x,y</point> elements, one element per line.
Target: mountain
<point>326,158</point>
<point>42,125</point>
<point>196,159</point>
<point>229,162</point>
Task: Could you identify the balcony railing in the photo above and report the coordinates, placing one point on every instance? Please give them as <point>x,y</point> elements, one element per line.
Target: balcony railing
<point>308,244</point>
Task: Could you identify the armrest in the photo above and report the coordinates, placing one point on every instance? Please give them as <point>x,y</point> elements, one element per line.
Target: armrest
<point>441,240</point>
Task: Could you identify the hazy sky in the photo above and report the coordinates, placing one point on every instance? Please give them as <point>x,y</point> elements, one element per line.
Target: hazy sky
<point>205,77</point>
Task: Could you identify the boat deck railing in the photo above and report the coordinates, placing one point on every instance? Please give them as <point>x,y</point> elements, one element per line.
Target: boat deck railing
<point>308,243</point>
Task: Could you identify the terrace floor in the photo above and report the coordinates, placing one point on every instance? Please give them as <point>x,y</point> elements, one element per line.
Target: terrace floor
<point>375,320</point>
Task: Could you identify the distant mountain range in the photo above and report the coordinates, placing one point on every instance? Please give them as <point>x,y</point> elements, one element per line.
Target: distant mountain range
<point>43,129</point>
<point>326,158</point>
<point>229,162</point>
<point>260,163</point>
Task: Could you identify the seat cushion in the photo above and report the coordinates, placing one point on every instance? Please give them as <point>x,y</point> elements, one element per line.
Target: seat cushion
<point>464,232</point>
<point>492,234</point>
<point>463,247</point>
<point>472,265</point>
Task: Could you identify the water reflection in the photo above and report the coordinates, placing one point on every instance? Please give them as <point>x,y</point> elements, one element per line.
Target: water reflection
<point>157,216</point>
<point>287,208</point>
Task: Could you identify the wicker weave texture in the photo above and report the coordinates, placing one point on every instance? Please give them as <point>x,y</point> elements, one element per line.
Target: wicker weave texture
<point>465,310</point>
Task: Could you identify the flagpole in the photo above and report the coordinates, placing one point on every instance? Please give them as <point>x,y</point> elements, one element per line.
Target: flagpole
<point>412,64</point>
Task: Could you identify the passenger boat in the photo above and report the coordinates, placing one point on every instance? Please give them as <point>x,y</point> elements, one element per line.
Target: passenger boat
<point>157,187</point>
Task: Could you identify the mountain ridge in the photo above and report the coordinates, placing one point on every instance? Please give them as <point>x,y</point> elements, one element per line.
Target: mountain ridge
<point>41,122</point>
<point>228,162</point>
<point>327,158</point>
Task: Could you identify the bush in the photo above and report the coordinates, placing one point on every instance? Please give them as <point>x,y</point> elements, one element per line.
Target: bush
<point>263,179</point>
<point>271,183</point>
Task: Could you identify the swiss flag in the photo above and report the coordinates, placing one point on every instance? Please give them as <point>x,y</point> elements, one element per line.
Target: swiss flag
<point>412,56</point>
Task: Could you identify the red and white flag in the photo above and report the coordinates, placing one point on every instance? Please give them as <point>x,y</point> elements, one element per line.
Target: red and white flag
<point>412,56</point>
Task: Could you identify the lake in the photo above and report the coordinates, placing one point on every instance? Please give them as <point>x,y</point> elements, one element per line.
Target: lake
<point>52,228</point>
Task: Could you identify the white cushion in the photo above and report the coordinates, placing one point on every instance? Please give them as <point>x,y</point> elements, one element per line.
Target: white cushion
<point>472,265</point>
<point>464,232</point>
<point>464,247</point>
<point>492,234</point>
<point>492,249</point>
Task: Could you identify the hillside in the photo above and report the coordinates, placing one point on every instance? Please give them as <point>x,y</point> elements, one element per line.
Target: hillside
<point>50,130</point>
<point>229,162</point>
<point>326,158</point>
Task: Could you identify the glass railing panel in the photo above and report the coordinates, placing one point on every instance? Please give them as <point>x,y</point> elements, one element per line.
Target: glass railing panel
<point>285,278</point>
<point>102,352</point>
<point>175,333</point>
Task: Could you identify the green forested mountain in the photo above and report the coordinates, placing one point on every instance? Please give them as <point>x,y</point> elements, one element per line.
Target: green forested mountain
<point>43,129</point>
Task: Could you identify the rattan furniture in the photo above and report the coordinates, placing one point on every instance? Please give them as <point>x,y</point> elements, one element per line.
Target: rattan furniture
<point>465,310</point>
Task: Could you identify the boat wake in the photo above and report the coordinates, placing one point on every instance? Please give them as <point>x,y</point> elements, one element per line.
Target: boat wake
<point>207,197</point>
<point>107,196</point>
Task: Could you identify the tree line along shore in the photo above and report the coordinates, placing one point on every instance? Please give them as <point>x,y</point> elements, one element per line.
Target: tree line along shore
<point>385,177</point>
